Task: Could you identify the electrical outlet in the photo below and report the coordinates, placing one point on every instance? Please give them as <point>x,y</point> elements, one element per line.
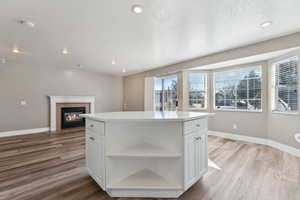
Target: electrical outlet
<point>234,126</point>
<point>23,103</point>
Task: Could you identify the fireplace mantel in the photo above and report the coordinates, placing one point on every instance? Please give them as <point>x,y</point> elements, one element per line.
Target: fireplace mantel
<point>67,99</point>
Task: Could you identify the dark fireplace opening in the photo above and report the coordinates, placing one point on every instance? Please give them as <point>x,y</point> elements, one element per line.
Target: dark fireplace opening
<point>70,117</point>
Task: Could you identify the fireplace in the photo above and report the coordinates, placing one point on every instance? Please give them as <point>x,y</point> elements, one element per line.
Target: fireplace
<point>70,117</point>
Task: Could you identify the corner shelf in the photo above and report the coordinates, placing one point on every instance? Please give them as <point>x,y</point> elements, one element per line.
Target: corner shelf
<point>144,179</point>
<point>145,150</point>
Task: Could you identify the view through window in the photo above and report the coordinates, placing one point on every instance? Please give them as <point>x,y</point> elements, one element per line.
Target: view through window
<point>166,94</point>
<point>197,90</point>
<point>238,89</point>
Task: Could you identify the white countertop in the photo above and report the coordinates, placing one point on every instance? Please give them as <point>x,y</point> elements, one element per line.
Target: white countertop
<point>142,116</point>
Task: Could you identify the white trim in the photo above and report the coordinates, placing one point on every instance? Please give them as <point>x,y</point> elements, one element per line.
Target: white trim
<point>68,99</point>
<point>282,147</point>
<point>285,113</point>
<point>24,132</point>
<point>145,193</point>
<point>149,94</point>
<point>239,110</point>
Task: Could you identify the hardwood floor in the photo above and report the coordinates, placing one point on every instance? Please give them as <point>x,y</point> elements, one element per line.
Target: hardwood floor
<point>52,167</point>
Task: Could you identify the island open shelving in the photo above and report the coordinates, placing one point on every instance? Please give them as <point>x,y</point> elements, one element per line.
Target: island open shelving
<point>145,150</point>
<point>146,154</point>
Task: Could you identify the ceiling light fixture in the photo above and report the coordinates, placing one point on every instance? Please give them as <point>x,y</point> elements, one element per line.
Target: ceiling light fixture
<point>15,50</point>
<point>26,23</point>
<point>65,51</point>
<point>137,9</point>
<point>123,70</point>
<point>266,24</point>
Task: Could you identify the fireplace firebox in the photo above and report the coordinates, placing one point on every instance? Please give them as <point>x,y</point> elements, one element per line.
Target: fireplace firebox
<point>70,117</point>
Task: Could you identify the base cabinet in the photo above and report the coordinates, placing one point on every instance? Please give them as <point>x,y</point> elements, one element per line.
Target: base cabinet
<point>146,159</point>
<point>195,158</point>
<point>95,158</point>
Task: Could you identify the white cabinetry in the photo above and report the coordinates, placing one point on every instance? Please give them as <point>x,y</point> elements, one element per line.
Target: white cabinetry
<point>146,158</point>
<point>195,152</point>
<point>95,155</point>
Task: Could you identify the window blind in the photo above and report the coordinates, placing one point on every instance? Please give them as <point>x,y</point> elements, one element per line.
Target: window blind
<point>286,85</point>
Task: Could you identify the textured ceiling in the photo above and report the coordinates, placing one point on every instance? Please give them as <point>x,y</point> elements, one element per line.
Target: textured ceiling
<point>169,31</point>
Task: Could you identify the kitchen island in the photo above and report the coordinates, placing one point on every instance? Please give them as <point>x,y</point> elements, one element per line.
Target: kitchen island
<point>146,154</point>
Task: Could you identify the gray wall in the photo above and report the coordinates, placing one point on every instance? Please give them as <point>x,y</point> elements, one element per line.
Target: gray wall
<point>278,127</point>
<point>34,84</point>
<point>254,124</point>
<point>282,127</point>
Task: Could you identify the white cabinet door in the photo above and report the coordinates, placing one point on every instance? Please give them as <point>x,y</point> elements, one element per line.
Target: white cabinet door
<point>202,158</point>
<point>95,158</point>
<point>201,146</point>
<point>195,157</point>
<point>190,160</point>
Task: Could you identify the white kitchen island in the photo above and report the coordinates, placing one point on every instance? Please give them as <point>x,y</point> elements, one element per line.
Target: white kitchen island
<point>146,154</point>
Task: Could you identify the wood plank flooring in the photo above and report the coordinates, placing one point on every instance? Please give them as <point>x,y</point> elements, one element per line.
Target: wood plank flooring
<point>52,167</point>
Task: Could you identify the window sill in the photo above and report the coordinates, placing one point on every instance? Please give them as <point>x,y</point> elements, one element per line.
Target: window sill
<point>197,109</point>
<point>286,113</point>
<point>246,111</point>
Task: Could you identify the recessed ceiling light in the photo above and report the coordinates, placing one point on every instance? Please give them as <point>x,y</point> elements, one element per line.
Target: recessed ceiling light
<point>65,51</point>
<point>15,50</point>
<point>113,62</point>
<point>137,9</point>
<point>123,70</point>
<point>26,23</point>
<point>266,24</point>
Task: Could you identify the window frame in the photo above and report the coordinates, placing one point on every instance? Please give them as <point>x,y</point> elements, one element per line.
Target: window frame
<point>206,106</point>
<point>238,69</point>
<point>165,77</point>
<point>273,89</point>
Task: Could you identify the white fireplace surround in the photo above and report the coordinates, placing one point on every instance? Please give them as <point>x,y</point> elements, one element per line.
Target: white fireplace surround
<point>67,99</point>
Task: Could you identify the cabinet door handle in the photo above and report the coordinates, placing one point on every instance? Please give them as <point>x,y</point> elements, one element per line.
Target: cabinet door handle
<point>92,138</point>
<point>197,125</point>
<point>92,125</point>
<point>198,138</point>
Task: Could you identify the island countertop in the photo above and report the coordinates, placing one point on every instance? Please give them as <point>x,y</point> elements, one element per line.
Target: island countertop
<point>146,116</point>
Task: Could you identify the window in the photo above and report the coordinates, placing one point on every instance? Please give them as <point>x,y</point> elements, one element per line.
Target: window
<point>166,98</point>
<point>285,86</point>
<point>238,89</point>
<point>197,90</point>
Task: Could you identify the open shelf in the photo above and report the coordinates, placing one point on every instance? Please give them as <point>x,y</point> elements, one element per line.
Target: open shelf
<point>144,179</point>
<point>145,150</point>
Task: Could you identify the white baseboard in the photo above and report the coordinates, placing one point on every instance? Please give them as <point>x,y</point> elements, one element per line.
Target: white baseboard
<point>282,147</point>
<point>24,132</point>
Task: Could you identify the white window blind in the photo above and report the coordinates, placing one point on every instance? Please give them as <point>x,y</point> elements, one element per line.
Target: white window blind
<point>238,89</point>
<point>197,90</point>
<point>285,85</point>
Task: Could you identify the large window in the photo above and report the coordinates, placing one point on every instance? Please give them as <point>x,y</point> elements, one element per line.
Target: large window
<point>285,85</point>
<point>238,89</point>
<point>166,94</point>
<point>197,90</point>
